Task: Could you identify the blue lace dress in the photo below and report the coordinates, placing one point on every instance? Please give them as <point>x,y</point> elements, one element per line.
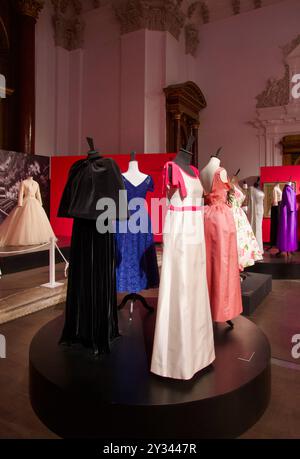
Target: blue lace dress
<point>136,256</point>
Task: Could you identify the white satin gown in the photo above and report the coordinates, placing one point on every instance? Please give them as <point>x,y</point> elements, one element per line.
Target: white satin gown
<point>183,341</point>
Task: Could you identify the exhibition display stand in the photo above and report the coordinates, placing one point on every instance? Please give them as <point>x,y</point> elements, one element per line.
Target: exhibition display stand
<point>116,396</point>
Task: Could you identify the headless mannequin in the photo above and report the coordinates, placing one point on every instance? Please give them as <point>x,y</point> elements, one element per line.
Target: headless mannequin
<point>133,174</point>
<point>277,195</point>
<point>183,159</point>
<point>208,172</point>
<point>135,177</point>
<point>92,152</point>
<point>289,254</point>
<point>235,181</point>
<point>207,175</point>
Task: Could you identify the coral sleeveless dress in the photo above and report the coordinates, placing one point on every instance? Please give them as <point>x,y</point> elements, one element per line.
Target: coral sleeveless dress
<point>183,342</point>
<point>222,264</point>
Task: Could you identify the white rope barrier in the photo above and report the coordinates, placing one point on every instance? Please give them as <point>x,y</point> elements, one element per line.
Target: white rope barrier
<point>65,260</point>
<point>52,245</point>
<point>29,250</point>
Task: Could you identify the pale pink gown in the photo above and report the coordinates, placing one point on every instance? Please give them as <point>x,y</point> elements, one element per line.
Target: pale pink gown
<point>183,342</point>
<point>27,223</point>
<point>222,264</point>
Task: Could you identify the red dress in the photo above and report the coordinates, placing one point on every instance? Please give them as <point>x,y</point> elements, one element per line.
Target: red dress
<point>222,265</point>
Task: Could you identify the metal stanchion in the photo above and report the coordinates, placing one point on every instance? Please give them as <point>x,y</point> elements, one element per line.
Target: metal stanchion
<point>52,283</point>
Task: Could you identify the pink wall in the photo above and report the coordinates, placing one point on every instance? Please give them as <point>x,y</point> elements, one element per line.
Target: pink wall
<point>112,89</point>
<point>45,84</point>
<point>132,95</point>
<point>180,67</point>
<point>235,58</point>
<point>155,81</point>
<point>101,82</point>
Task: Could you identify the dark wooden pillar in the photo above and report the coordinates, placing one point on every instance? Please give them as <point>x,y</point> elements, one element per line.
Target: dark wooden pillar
<point>28,11</point>
<point>177,118</point>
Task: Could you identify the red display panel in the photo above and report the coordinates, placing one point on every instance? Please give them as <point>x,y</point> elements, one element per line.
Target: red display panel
<point>150,163</point>
<point>280,174</point>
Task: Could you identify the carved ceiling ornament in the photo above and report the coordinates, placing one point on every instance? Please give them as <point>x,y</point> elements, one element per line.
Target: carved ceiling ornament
<point>68,33</point>
<point>236,6</point>
<point>203,9</point>
<point>68,24</point>
<point>278,112</point>
<point>62,6</point>
<point>30,8</point>
<point>162,15</point>
<point>257,3</point>
<point>277,91</point>
<point>191,39</point>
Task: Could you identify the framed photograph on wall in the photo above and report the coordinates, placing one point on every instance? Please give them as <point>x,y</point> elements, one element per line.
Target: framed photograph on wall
<point>268,190</point>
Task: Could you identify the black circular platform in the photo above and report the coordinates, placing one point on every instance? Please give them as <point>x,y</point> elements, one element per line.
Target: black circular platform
<point>78,395</point>
<point>280,267</point>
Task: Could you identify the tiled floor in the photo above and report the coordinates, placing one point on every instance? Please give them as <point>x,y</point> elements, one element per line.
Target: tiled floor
<point>278,316</point>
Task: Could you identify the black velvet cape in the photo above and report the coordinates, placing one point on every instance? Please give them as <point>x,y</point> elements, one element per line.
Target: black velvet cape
<point>89,180</point>
<point>91,305</point>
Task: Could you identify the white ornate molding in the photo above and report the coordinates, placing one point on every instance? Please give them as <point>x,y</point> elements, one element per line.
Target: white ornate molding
<point>276,92</point>
<point>162,15</point>
<point>277,112</point>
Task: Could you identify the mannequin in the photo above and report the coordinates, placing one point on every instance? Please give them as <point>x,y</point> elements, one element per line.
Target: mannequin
<point>277,195</point>
<point>133,174</point>
<point>137,267</point>
<point>287,239</point>
<point>256,211</point>
<point>183,341</point>
<point>208,172</point>
<point>27,223</point>
<point>248,249</point>
<point>276,199</point>
<point>235,180</point>
<point>221,243</point>
<point>91,304</point>
<point>184,159</point>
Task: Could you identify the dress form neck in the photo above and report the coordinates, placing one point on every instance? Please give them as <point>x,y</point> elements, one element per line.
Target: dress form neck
<point>235,183</point>
<point>183,159</point>
<point>208,172</point>
<point>133,174</point>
